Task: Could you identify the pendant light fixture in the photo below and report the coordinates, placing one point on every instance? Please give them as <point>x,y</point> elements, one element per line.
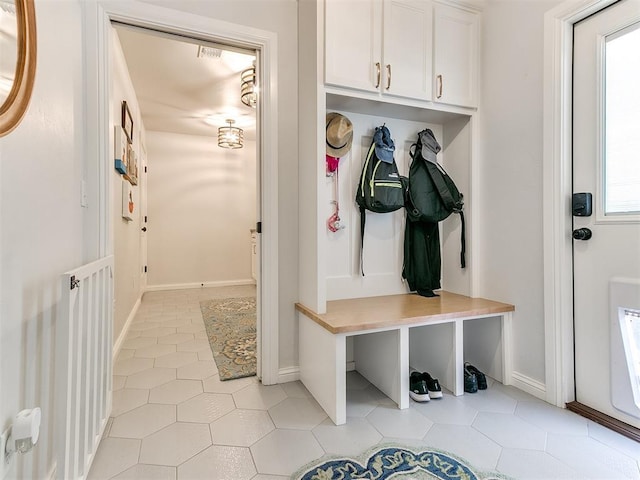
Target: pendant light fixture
<point>230,137</point>
<point>248,89</point>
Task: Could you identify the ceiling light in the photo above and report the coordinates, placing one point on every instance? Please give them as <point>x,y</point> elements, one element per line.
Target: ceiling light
<point>248,89</point>
<point>230,137</point>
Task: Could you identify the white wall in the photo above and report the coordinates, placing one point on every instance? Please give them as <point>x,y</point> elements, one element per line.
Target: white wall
<point>41,221</point>
<point>126,233</point>
<point>201,206</point>
<point>510,226</point>
<point>40,224</point>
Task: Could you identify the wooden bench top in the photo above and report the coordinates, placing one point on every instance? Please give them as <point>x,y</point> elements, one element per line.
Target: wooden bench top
<point>356,314</point>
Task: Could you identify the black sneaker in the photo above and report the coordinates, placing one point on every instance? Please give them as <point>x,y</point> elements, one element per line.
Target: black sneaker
<point>433,386</point>
<point>470,381</point>
<point>482,378</point>
<point>418,388</point>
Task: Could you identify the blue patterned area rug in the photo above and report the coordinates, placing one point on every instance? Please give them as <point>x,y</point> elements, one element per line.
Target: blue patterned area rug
<point>393,461</point>
<point>231,329</point>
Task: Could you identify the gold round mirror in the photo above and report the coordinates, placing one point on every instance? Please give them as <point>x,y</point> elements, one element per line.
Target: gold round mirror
<point>17,60</point>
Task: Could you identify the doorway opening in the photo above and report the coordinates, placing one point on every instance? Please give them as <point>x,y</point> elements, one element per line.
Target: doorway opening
<point>559,174</point>
<point>100,215</point>
<point>195,105</point>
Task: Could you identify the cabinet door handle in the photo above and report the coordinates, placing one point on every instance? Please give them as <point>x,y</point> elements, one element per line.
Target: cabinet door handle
<point>439,78</point>
<point>377,74</point>
<point>388,76</point>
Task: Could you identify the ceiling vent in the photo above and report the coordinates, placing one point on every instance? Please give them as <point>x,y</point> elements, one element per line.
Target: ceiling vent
<point>209,52</point>
<point>8,7</point>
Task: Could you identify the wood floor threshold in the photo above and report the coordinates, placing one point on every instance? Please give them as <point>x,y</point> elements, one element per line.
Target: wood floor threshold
<point>605,420</point>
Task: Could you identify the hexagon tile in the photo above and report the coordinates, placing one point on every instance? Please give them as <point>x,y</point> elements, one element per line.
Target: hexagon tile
<point>219,463</point>
<point>241,428</point>
<point>175,444</point>
<point>297,413</point>
<point>142,421</point>
<point>205,408</point>
<point>175,391</point>
<point>174,419</point>
<point>282,452</point>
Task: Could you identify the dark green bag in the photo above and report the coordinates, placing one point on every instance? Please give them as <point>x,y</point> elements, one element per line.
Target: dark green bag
<point>432,195</point>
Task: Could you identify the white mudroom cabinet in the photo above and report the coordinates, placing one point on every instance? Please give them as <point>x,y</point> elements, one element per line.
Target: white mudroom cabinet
<point>408,64</point>
<point>414,49</point>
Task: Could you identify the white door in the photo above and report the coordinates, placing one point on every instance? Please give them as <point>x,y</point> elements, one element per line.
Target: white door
<point>407,64</point>
<point>606,163</point>
<point>142,187</point>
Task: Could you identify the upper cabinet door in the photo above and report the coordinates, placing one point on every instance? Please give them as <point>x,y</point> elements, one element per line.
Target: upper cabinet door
<point>353,43</point>
<point>407,56</point>
<point>455,56</point>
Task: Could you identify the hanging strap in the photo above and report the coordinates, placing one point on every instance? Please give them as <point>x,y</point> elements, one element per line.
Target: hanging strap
<point>336,192</point>
<point>450,203</point>
<point>463,243</point>
<point>363,219</point>
<point>442,187</point>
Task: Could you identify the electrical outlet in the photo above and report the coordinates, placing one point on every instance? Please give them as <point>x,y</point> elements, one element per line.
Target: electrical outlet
<point>6,463</point>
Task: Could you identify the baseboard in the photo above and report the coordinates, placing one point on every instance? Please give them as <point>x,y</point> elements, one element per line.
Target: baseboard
<point>288,374</point>
<point>529,385</point>
<point>291,374</point>
<point>185,286</point>
<point>52,472</point>
<point>125,329</point>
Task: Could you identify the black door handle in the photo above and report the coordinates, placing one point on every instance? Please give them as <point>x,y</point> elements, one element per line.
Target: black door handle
<point>582,234</point>
<point>144,229</point>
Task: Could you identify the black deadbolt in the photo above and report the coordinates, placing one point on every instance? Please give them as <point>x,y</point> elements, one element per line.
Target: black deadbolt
<point>581,204</point>
<point>582,234</point>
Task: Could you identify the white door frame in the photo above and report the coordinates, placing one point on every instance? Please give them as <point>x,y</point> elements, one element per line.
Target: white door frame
<point>557,190</point>
<point>99,228</point>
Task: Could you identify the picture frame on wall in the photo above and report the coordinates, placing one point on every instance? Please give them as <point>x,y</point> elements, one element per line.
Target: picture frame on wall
<point>132,166</point>
<point>121,150</point>
<point>128,201</point>
<point>127,121</point>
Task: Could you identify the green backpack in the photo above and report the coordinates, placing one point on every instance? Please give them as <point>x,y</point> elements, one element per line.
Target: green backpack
<point>381,188</point>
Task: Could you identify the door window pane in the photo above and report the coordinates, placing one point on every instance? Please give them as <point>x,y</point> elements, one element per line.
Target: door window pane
<point>622,122</point>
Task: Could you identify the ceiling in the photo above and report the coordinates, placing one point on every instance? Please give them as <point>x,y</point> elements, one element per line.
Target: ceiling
<point>180,93</point>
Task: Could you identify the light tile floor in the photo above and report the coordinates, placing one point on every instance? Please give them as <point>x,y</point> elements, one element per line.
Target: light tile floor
<point>174,419</point>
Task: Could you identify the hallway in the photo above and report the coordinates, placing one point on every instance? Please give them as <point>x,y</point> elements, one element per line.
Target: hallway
<point>172,418</point>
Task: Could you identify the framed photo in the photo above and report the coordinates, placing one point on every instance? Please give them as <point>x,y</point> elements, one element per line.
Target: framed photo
<point>132,166</point>
<point>127,122</point>
<point>121,150</point>
<point>128,201</point>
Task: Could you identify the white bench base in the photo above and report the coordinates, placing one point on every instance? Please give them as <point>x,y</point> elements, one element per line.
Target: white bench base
<point>382,357</point>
